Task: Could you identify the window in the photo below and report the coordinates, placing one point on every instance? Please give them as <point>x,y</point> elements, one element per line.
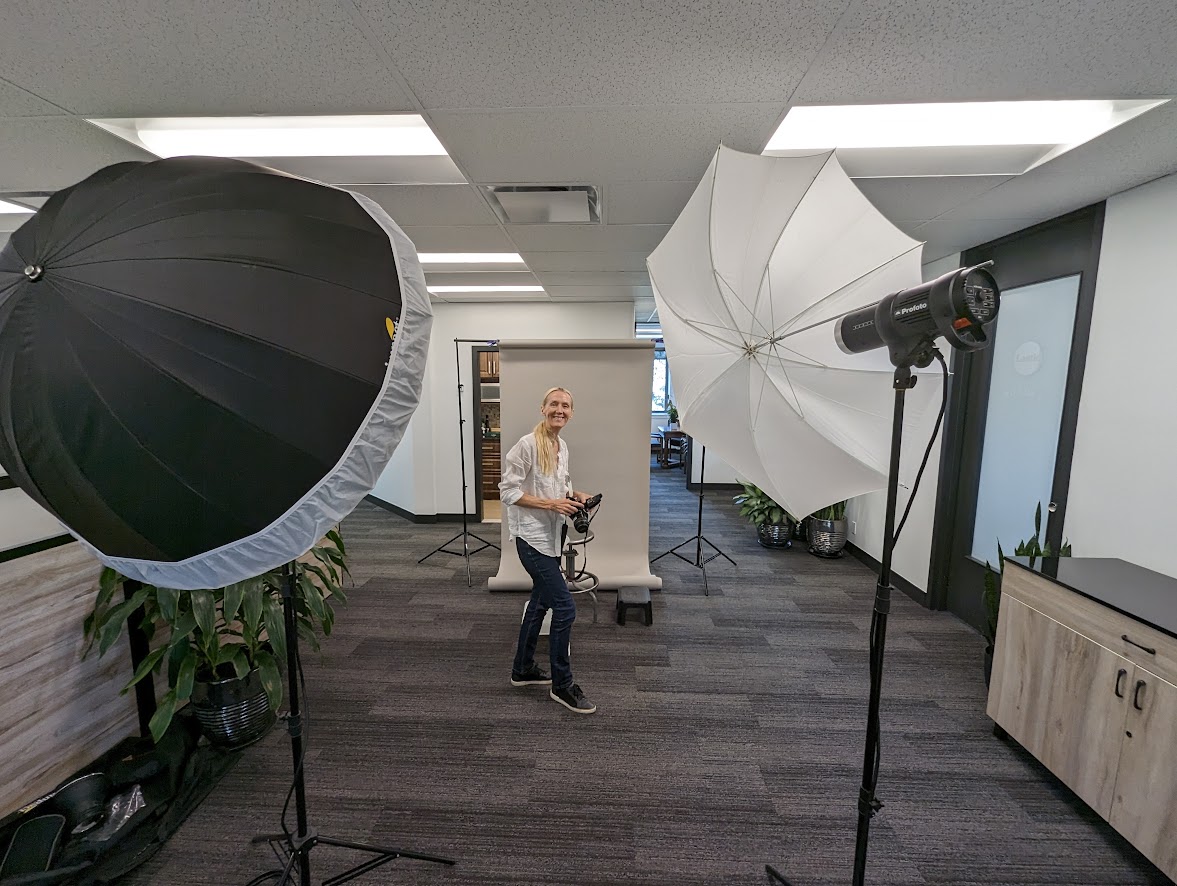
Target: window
<point>660,395</point>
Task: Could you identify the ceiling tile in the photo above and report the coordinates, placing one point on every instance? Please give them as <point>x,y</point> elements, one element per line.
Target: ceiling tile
<point>598,293</point>
<point>644,203</point>
<point>143,58</point>
<point>947,236</point>
<point>10,221</point>
<point>481,278</point>
<point>925,197</point>
<point>588,278</point>
<point>594,146</point>
<point>50,153</point>
<point>17,102</point>
<point>370,170</point>
<point>586,261</point>
<point>520,53</point>
<point>587,238</point>
<point>431,204</point>
<point>928,50</point>
<point>459,238</point>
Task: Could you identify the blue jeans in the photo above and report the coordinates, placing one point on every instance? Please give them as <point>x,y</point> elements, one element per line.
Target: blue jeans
<point>549,591</point>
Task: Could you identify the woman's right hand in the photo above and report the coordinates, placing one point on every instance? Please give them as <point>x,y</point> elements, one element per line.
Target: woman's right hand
<point>565,506</point>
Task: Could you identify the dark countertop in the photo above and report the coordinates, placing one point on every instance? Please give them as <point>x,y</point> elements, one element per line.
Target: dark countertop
<point>1139,593</point>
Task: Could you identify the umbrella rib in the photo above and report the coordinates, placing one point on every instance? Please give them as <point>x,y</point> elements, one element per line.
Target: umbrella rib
<point>838,291</point>
<point>121,424</point>
<point>220,326</point>
<point>178,381</point>
<point>711,240</point>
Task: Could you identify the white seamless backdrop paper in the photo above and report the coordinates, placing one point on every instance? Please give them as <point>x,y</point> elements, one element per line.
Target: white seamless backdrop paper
<point>608,439</point>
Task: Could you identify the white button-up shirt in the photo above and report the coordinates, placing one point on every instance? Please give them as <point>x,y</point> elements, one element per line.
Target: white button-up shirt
<point>521,475</point>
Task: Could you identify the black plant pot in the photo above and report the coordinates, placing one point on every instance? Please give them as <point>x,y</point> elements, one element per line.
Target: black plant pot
<point>233,712</point>
<point>826,537</point>
<point>775,535</point>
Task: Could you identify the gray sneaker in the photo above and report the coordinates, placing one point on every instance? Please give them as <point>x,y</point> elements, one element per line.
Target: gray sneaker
<point>572,697</point>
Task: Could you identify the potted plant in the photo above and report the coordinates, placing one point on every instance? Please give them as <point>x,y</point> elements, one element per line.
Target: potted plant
<point>774,527</point>
<point>1031,548</point>
<point>826,530</point>
<point>222,648</point>
<point>672,414</point>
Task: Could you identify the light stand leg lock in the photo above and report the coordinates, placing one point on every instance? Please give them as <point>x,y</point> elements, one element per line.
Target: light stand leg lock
<point>868,804</point>
<point>883,598</point>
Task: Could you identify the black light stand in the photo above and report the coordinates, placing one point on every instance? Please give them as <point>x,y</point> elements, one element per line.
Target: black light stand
<point>868,805</point>
<point>700,562</point>
<point>298,845</point>
<point>465,535</point>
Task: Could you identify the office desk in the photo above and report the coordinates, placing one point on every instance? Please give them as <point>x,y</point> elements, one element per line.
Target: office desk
<point>673,440</point>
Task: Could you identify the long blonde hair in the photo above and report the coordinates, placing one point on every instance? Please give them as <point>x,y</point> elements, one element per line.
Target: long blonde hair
<point>547,444</point>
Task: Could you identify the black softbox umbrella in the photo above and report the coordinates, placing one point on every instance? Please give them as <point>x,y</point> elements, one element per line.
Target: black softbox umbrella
<point>197,376</point>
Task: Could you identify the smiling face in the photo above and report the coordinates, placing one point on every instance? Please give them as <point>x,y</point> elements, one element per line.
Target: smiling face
<point>557,409</point>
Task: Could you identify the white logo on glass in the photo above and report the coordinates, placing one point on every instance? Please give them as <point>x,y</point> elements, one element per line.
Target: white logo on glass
<point>1028,358</point>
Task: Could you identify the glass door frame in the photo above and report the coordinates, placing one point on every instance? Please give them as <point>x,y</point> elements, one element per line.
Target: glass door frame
<point>1062,247</point>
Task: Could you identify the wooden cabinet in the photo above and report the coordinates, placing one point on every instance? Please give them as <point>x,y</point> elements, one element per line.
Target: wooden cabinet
<point>1074,683</point>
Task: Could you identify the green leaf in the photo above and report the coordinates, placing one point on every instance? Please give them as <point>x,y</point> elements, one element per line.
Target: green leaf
<point>275,627</point>
<point>112,625</point>
<point>205,610</point>
<point>1037,521</point>
<point>163,716</point>
<point>312,595</point>
<point>177,652</point>
<point>234,594</point>
<point>240,662</point>
<point>183,627</point>
<point>271,678</point>
<point>337,540</point>
<point>255,598</point>
<point>186,676</point>
<point>168,603</point>
<point>146,666</point>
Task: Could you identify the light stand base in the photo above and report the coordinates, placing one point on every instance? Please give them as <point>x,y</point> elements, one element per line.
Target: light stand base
<point>700,562</point>
<point>467,551</point>
<point>296,850</point>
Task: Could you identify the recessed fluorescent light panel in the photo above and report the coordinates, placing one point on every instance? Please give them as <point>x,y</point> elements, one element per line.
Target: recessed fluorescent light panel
<point>970,138</point>
<point>12,209</point>
<point>391,135</point>
<point>444,289</point>
<point>470,258</point>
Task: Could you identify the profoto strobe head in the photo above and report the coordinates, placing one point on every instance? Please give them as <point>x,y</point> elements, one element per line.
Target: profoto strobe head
<point>957,305</point>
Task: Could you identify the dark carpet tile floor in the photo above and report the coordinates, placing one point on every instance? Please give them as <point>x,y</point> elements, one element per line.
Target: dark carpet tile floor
<point>729,735</point>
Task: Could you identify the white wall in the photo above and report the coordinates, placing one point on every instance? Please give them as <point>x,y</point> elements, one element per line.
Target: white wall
<point>866,513</point>
<point>1124,473</point>
<point>425,478</point>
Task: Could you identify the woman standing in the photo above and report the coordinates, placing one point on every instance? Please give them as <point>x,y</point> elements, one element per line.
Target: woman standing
<point>538,495</point>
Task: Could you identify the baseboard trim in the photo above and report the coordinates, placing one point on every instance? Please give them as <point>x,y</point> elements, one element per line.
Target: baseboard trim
<point>897,581</point>
<point>419,518</point>
<point>734,488</point>
<point>35,547</point>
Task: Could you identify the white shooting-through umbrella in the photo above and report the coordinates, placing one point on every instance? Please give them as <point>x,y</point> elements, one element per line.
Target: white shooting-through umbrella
<point>768,252</point>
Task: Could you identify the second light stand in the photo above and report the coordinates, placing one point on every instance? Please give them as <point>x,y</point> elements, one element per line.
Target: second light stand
<point>700,562</point>
<point>465,535</point>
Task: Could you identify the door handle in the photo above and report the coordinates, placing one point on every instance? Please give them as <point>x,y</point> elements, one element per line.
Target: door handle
<point>1119,680</point>
<point>1140,684</point>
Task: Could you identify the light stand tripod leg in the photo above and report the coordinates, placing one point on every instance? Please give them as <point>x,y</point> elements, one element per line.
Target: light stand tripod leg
<point>298,845</point>
<point>700,562</point>
<point>868,804</point>
<point>465,534</point>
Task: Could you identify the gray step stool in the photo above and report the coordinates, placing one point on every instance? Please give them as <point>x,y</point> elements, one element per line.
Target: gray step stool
<point>634,598</point>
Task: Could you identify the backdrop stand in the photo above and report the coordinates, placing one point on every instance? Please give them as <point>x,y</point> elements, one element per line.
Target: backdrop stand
<point>868,804</point>
<point>700,562</point>
<point>465,535</point>
<point>298,845</point>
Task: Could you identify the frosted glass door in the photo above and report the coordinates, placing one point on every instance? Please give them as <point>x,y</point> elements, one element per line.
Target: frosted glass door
<point>1031,356</point>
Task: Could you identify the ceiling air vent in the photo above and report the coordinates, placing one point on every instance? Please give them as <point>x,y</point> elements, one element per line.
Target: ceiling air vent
<point>545,204</point>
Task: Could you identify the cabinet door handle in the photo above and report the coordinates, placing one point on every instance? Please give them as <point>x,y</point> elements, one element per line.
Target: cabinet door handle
<point>1147,649</point>
<point>1140,684</point>
<point>1119,680</point>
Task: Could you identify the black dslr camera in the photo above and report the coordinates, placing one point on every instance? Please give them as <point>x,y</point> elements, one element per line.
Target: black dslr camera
<point>583,517</point>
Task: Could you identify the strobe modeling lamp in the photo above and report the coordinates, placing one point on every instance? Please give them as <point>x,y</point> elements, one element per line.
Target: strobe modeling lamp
<point>957,305</point>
